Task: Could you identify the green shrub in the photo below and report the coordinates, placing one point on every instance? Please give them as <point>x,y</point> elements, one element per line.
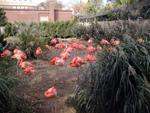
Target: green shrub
<point>94,31</point>
<point>10,30</point>
<point>111,29</point>
<point>79,30</point>
<point>29,36</point>
<point>26,37</point>
<point>2,17</point>
<point>118,82</point>
<point>58,29</point>
<point>3,22</point>
<point>2,42</point>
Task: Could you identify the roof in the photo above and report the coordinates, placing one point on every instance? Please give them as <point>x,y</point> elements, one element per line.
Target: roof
<point>17,3</point>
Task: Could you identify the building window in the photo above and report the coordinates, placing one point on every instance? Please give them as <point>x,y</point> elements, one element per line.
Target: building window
<point>22,7</point>
<point>18,7</point>
<point>14,7</point>
<point>44,19</point>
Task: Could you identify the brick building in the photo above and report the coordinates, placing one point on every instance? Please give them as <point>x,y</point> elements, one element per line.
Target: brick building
<point>29,11</point>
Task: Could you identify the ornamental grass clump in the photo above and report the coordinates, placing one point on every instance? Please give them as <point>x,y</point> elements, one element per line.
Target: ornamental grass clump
<point>118,82</point>
<point>10,101</point>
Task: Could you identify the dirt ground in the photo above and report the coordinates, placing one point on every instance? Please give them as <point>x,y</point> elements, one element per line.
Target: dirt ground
<point>63,78</point>
<point>46,75</point>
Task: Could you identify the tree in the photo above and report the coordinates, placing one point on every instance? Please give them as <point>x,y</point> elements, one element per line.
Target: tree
<point>59,5</point>
<point>122,2</point>
<point>93,6</point>
<point>51,3</point>
<point>90,9</point>
<point>97,3</point>
<point>3,19</point>
<point>78,8</point>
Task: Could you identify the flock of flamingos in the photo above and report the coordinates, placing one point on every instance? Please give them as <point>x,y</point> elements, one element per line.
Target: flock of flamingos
<point>67,49</point>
